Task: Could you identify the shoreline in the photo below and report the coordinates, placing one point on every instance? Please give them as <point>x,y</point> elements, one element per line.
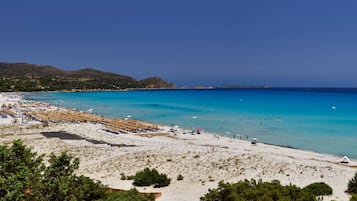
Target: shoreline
<point>202,159</point>
<point>213,133</point>
<point>312,89</point>
<point>187,131</point>
<point>20,96</point>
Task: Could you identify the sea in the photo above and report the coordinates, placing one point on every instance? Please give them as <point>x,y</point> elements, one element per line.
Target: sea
<point>316,119</point>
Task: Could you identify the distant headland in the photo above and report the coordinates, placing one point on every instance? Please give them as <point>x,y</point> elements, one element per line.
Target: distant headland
<point>26,77</point>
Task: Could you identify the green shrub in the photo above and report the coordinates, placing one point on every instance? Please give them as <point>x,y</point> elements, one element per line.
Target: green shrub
<point>122,176</point>
<point>144,177</point>
<point>256,191</point>
<point>88,189</point>
<point>131,195</point>
<point>20,169</point>
<point>179,177</point>
<point>24,176</point>
<point>354,197</point>
<point>352,185</point>
<point>162,181</point>
<point>149,177</point>
<point>319,188</point>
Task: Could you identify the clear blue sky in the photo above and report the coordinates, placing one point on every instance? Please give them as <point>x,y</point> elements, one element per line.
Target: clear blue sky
<point>248,42</point>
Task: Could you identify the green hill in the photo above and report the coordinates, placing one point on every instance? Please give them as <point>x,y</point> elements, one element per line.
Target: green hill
<point>31,77</point>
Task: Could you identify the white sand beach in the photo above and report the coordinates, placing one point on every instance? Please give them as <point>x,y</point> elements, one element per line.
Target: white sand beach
<point>202,159</point>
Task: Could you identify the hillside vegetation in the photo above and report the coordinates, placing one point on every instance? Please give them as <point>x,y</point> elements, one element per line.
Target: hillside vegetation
<point>31,77</point>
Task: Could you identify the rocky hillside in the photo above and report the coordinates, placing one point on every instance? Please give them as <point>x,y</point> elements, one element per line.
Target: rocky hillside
<point>31,77</point>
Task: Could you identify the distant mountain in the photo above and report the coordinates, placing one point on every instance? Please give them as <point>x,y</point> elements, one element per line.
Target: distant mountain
<point>31,77</point>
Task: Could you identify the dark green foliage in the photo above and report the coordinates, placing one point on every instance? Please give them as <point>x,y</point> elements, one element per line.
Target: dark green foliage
<point>352,185</point>
<point>122,176</point>
<point>88,189</point>
<point>20,169</point>
<point>354,197</point>
<point>161,181</point>
<point>23,176</point>
<point>318,189</point>
<point>257,191</point>
<point>145,177</point>
<point>131,195</point>
<point>60,182</point>
<point>149,177</point>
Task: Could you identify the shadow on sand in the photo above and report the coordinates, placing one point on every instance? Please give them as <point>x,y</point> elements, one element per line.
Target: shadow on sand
<point>69,136</point>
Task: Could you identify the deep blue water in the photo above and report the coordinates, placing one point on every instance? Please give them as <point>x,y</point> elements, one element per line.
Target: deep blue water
<point>323,120</point>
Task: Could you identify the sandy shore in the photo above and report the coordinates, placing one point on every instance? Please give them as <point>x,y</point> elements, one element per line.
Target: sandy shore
<point>202,160</point>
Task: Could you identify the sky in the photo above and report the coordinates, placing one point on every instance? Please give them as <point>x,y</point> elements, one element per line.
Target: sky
<point>189,42</point>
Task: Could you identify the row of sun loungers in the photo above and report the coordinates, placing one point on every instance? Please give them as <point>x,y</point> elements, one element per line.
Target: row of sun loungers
<point>6,111</point>
<point>110,125</point>
<point>47,114</point>
<point>56,116</point>
<point>129,125</point>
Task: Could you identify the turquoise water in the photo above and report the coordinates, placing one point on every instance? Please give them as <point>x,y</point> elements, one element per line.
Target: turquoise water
<point>323,120</point>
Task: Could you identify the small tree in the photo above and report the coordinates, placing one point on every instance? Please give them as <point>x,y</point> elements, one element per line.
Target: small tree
<point>20,170</point>
<point>24,177</point>
<point>60,182</point>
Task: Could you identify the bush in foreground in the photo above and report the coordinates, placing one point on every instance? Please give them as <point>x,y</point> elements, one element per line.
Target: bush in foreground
<point>23,176</point>
<point>318,189</point>
<point>131,195</point>
<point>257,191</point>
<point>20,170</point>
<point>352,185</point>
<point>149,177</point>
<point>354,197</point>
